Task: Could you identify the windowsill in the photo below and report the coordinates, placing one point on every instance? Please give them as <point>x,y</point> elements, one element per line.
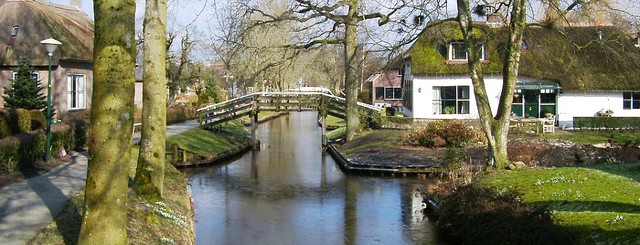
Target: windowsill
<point>462,62</point>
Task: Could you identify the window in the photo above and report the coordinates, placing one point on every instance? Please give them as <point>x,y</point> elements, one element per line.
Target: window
<point>33,75</point>
<point>379,93</point>
<point>75,91</point>
<point>15,31</point>
<point>392,93</point>
<point>631,100</point>
<point>458,51</point>
<point>451,100</point>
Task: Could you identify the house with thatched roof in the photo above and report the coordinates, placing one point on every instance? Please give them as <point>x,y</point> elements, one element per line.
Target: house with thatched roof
<point>24,23</point>
<point>567,72</point>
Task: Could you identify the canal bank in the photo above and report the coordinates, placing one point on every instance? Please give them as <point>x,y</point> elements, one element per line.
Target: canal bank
<point>290,192</point>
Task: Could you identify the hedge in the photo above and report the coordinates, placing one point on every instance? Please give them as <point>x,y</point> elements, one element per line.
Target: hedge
<point>619,123</point>
<point>22,150</point>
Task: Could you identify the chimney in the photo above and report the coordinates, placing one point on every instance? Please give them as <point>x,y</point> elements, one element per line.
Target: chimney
<point>75,3</point>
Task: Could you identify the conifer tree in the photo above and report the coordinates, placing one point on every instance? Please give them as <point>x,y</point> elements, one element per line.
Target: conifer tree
<point>25,91</point>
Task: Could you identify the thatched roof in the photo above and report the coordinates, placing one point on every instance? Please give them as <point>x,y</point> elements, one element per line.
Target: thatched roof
<point>39,21</point>
<point>575,57</point>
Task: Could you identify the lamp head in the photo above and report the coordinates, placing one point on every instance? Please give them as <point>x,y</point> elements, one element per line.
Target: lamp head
<point>51,45</point>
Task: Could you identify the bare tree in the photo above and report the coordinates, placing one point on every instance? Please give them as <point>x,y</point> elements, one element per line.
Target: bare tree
<point>337,22</point>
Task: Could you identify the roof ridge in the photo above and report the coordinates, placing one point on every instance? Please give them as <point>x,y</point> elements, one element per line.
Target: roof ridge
<point>55,5</point>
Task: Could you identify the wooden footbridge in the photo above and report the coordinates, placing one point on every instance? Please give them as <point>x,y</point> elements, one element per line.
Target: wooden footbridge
<point>250,105</point>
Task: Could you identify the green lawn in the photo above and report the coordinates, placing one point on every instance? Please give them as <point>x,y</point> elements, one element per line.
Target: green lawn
<point>595,137</point>
<point>600,204</point>
<point>206,142</point>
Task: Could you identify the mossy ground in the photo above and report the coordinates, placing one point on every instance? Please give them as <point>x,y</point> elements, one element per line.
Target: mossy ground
<point>598,204</point>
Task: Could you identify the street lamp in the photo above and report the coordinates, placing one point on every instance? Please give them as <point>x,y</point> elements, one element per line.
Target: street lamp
<point>51,45</point>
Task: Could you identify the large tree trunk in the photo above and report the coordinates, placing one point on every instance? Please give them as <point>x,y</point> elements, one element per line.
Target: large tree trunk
<point>351,72</point>
<point>105,211</point>
<point>496,128</point>
<point>150,171</point>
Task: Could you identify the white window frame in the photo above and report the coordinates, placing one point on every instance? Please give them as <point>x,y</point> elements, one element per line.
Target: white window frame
<point>393,90</point>
<point>459,101</point>
<point>76,91</point>
<point>450,50</point>
<point>34,75</point>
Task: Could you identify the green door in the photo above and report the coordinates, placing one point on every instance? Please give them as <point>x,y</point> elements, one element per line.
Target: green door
<point>531,103</point>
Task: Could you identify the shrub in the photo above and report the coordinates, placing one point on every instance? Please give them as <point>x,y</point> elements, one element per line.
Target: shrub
<point>452,159</point>
<point>180,114</point>
<point>9,147</point>
<point>23,120</point>
<point>440,134</point>
<point>478,215</point>
<point>79,122</point>
<point>371,120</point>
<point>61,136</point>
<point>38,119</point>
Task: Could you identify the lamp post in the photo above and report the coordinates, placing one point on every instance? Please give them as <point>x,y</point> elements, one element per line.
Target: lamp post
<point>51,45</point>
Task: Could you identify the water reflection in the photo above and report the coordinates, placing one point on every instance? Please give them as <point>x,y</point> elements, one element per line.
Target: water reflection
<point>292,193</point>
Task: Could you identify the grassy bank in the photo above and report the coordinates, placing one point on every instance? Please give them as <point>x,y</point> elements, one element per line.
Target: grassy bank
<point>153,222</point>
<point>211,142</point>
<point>597,204</point>
<point>149,222</point>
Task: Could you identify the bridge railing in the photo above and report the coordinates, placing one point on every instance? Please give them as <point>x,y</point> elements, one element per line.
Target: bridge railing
<point>276,101</point>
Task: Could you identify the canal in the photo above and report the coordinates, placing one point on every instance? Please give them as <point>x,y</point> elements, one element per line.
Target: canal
<point>292,193</point>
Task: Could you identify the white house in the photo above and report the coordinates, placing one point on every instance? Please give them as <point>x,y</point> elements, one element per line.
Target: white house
<point>568,72</point>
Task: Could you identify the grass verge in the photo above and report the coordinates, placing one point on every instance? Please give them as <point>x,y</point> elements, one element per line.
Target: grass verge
<point>597,204</point>
<point>169,221</point>
<point>595,137</point>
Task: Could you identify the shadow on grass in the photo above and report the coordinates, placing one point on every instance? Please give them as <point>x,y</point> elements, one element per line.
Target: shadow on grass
<point>67,225</point>
<point>593,206</point>
<point>598,235</point>
<point>631,170</point>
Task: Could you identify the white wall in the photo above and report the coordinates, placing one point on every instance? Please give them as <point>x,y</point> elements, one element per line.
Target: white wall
<point>423,95</point>
<point>587,104</point>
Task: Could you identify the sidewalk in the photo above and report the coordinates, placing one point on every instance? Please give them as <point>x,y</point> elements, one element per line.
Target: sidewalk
<point>27,207</point>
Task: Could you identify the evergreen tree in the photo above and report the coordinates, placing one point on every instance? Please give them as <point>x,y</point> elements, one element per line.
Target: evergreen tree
<point>25,91</point>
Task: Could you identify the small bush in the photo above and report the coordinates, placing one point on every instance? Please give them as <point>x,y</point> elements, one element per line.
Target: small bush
<point>440,134</point>
<point>9,147</point>
<point>478,215</point>
<point>371,120</point>
<point>23,120</point>
<point>38,119</point>
<point>180,114</point>
<point>79,122</point>
<point>452,159</point>
<point>61,137</point>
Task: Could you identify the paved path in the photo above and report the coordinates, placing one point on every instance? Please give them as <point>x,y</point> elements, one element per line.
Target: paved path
<point>28,206</point>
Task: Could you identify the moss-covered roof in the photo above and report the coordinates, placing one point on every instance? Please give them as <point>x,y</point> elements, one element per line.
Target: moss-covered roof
<point>575,57</point>
<point>39,21</point>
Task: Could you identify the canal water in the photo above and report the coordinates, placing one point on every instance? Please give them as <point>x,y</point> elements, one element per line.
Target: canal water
<point>292,193</point>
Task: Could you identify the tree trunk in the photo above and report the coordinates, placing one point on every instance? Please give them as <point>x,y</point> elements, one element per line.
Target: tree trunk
<point>105,211</point>
<point>351,72</point>
<point>150,170</point>
<point>496,128</point>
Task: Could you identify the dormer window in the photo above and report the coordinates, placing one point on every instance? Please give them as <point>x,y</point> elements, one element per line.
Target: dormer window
<point>458,52</point>
<point>15,31</point>
<point>14,34</point>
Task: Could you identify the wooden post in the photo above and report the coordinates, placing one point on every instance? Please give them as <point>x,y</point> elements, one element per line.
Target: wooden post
<point>254,125</point>
<point>322,111</point>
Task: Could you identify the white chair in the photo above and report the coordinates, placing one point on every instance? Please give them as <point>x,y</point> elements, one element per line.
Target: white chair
<point>549,124</point>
